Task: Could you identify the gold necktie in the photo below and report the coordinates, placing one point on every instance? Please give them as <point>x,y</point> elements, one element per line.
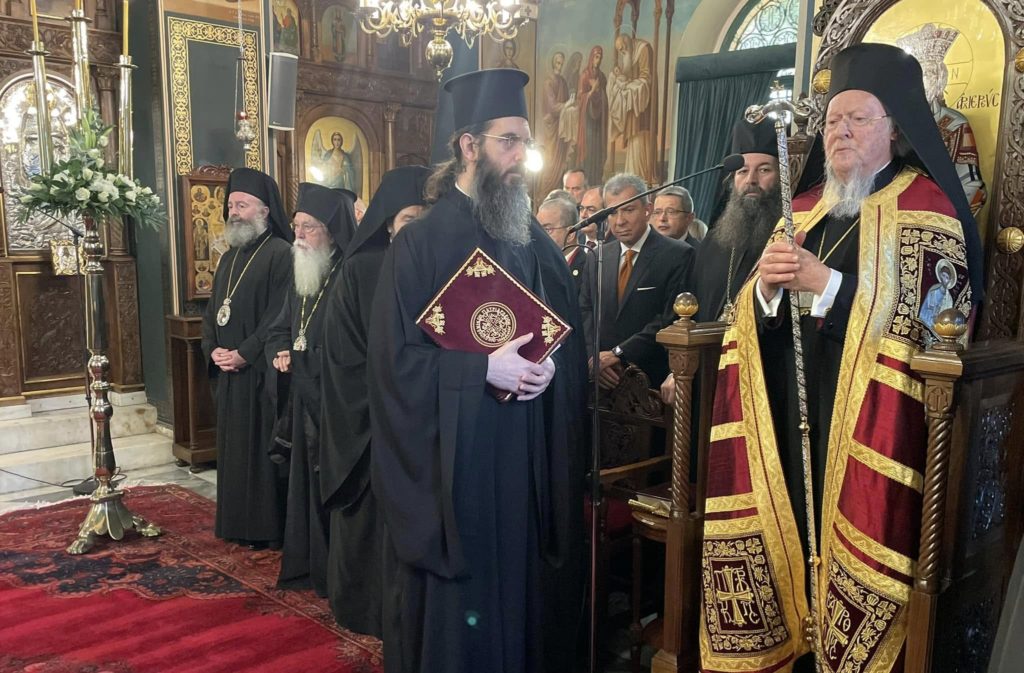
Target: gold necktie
<point>624,271</point>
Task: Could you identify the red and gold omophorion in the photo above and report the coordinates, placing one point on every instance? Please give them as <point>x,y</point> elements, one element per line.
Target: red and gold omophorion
<point>754,596</point>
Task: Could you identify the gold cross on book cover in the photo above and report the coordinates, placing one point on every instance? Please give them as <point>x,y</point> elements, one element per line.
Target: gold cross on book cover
<point>482,307</point>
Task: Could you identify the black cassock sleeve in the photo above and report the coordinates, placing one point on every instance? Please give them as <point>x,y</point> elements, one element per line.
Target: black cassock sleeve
<point>280,332</point>
<point>423,407</point>
<point>345,413</point>
<point>279,282</point>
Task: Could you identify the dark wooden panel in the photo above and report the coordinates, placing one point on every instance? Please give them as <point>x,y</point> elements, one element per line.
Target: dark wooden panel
<point>10,363</point>
<point>51,327</point>
<point>195,421</point>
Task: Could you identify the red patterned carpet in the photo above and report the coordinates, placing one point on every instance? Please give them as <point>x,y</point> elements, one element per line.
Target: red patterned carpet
<point>182,602</point>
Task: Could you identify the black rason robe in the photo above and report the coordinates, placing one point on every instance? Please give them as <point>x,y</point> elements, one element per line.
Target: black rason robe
<point>475,497</point>
<point>304,557</point>
<point>250,491</point>
<point>355,585</point>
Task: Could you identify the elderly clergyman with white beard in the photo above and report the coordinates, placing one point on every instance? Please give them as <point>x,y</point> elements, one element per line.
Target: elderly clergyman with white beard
<point>871,241</point>
<point>477,496</point>
<point>248,290</point>
<point>324,223</point>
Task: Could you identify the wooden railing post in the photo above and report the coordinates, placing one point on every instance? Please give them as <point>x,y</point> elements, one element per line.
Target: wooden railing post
<point>684,340</point>
<point>940,367</point>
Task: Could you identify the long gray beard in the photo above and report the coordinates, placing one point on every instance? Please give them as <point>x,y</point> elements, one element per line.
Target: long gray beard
<point>311,267</point>
<point>503,210</point>
<point>746,223</point>
<point>240,233</point>
<point>848,195</point>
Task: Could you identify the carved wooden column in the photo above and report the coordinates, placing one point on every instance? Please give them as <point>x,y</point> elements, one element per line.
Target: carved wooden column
<point>10,353</point>
<point>940,366</point>
<point>390,115</point>
<point>686,342</point>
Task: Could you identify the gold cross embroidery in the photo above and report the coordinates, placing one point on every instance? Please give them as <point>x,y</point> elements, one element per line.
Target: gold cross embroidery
<point>733,594</point>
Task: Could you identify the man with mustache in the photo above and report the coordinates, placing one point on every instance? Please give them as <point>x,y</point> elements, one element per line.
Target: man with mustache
<point>734,244</point>
<point>355,581</point>
<point>323,223</point>
<point>870,242</point>
<point>481,499</point>
<point>249,289</point>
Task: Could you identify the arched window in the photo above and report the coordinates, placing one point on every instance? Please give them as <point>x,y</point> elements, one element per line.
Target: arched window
<point>763,23</point>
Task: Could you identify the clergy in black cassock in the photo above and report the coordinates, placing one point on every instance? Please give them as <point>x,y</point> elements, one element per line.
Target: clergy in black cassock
<point>248,290</point>
<point>736,240</point>
<point>354,577</point>
<point>473,492</point>
<point>324,223</point>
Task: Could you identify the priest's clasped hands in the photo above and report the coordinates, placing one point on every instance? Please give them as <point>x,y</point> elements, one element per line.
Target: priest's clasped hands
<point>790,266</point>
<point>507,370</point>
<point>227,360</point>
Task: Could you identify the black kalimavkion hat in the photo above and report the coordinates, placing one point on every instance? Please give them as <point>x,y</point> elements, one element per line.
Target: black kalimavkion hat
<point>484,95</point>
<point>333,207</point>
<point>399,188</point>
<point>264,188</point>
<point>750,138</point>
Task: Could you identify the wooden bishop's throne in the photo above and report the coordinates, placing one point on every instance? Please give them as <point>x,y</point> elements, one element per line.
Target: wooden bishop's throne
<point>973,493</point>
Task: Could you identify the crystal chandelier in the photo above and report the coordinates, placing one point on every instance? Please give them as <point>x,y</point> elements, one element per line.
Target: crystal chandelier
<point>469,19</point>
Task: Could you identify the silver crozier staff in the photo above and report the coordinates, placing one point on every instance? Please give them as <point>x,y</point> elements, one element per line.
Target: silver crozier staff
<point>777,110</point>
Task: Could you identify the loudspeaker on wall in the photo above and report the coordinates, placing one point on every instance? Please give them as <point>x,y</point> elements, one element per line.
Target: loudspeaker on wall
<point>284,69</point>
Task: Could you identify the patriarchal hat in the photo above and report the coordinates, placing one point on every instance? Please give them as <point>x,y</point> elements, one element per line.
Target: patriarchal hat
<point>894,77</point>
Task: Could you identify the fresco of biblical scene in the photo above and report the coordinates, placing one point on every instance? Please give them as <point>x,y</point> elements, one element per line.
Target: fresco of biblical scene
<point>336,152</point>
<point>286,26</point>
<point>517,53</point>
<point>601,89</point>
<point>961,55</point>
<point>337,34</point>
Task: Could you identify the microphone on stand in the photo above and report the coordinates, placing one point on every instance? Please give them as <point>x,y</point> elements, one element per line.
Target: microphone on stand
<point>730,163</point>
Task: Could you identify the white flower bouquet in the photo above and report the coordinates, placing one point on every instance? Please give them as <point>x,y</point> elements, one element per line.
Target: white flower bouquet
<point>82,186</point>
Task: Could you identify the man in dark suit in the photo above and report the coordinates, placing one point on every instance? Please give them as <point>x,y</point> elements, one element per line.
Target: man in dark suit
<point>642,273</point>
<point>556,215</point>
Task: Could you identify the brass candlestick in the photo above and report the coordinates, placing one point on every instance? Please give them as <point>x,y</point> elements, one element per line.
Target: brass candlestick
<point>39,54</point>
<point>125,164</point>
<point>108,515</point>
<point>80,57</point>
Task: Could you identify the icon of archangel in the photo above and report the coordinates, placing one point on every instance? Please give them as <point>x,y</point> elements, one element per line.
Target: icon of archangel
<point>335,166</point>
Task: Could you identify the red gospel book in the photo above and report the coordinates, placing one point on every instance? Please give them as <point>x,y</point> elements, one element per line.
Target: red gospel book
<point>482,307</point>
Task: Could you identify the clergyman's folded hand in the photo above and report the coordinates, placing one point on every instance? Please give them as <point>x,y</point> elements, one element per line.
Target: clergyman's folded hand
<point>507,370</point>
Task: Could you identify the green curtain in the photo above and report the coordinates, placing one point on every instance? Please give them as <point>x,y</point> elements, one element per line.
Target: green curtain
<point>714,91</point>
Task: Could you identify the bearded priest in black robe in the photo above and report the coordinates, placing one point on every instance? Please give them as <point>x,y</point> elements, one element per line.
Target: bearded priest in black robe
<point>354,577</point>
<point>248,291</point>
<point>324,223</point>
<point>473,491</point>
<point>734,243</point>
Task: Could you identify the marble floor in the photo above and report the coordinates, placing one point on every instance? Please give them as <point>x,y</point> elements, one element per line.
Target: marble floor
<point>204,483</point>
